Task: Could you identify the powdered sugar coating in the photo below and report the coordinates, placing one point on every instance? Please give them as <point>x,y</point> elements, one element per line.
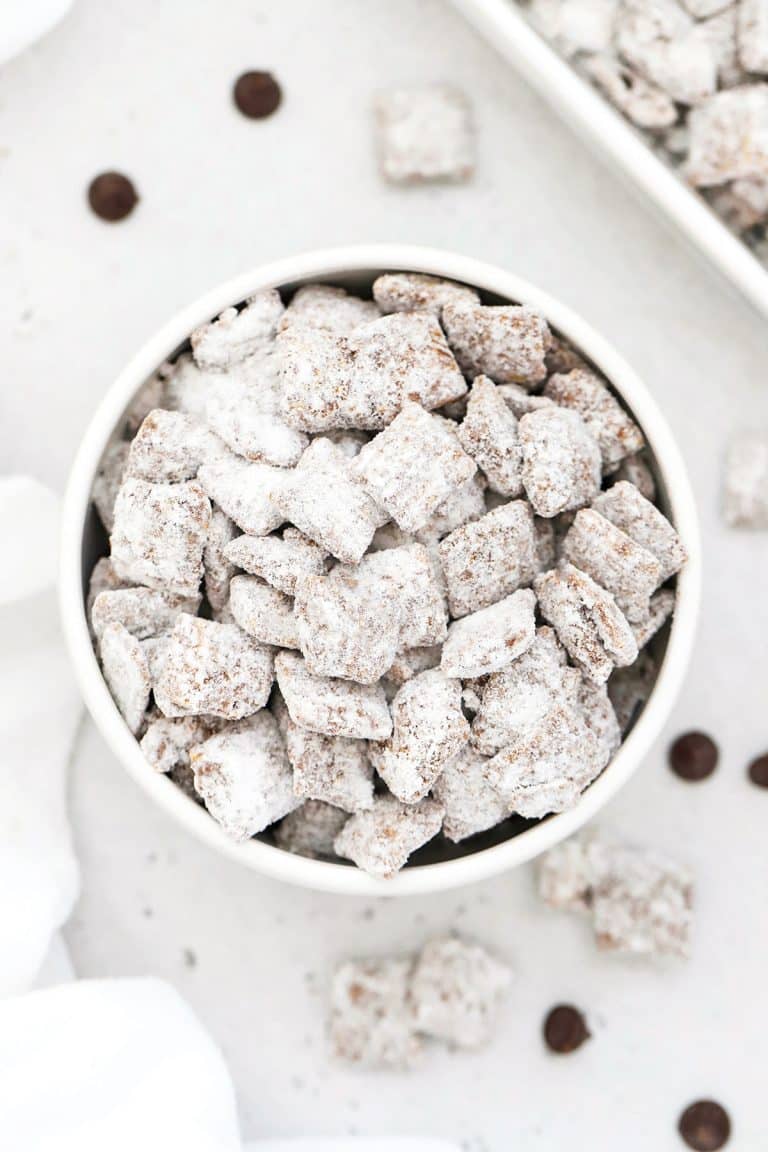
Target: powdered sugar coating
<point>625,507</point>
<point>103,578</point>
<point>520,401</point>
<point>185,386</point>
<point>465,503</point>
<point>561,461</point>
<point>143,611</point>
<point>332,309</point>
<point>471,803</point>
<point>170,447</point>
<point>278,560</point>
<point>587,620</point>
<point>488,433</point>
<point>243,408</point>
<point>516,700</point>
<point>575,26</point>
<point>241,489</point>
<point>311,829</point>
<point>489,558</point>
<point>429,728</point>
<point>507,342</point>
<point>108,479</point>
<point>645,104</point>
<point>729,136</point>
<point>166,742</point>
<point>371,1022</point>
<point>424,134</point>
<point>409,663</point>
<point>409,575</point>
<point>457,990</point>
<point>244,777</point>
<point>614,429</point>
<point>361,381</point>
<point>381,840</point>
<point>417,292</point>
<point>660,608</point>
<point>215,669</point>
<point>332,707</point>
<point>413,466</point>
<point>753,35</point>
<point>218,569</point>
<point>746,481</point>
<point>487,640</point>
<point>263,612</point>
<point>599,716</point>
<point>126,672</point>
<point>159,534</point>
<point>614,560</point>
<point>236,335</point>
<point>333,769</point>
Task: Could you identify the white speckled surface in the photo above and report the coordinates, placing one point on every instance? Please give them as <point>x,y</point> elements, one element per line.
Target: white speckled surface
<point>143,86</point>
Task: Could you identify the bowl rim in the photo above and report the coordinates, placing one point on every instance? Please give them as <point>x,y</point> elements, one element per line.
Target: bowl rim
<point>265,858</point>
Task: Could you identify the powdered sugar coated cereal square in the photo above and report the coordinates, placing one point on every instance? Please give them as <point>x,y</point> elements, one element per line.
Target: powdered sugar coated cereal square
<point>729,136</point>
<point>332,309</point>
<point>241,488</point>
<point>507,342</point>
<point>159,534</point>
<point>381,840</point>
<point>235,335</point>
<point>243,408</point>
<point>166,742</point>
<point>263,612</point>
<point>424,134</point>
<point>126,672</point>
<point>109,477</point>
<point>218,569</point>
<point>625,507</point>
<point>746,481</point>
<point>457,990</point>
<point>489,558</point>
<point>143,611</point>
<point>485,641</point>
<point>371,1021</point>
<point>332,707</point>
<point>614,560</point>
<point>614,429</point>
<point>311,829</point>
<point>170,447</point>
<point>488,433</point>
<point>471,803</point>
<point>417,292</point>
<point>561,466</point>
<point>278,560</point>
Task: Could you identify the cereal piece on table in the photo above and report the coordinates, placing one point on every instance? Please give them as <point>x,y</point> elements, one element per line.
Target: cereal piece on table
<point>263,612</point>
<point>629,688</point>
<point>381,840</point>
<point>244,777</point>
<point>625,507</point>
<point>516,700</point>
<point>322,500</point>
<point>126,672</point>
<point>485,641</point>
<point>412,578</point>
<point>645,104</point>
<point>411,661</point>
<point>465,503</point>
<point>170,447</point>
<point>109,477</point>
<point>413,466</point>
<point>614,560</point>
<point>636,470</point>
<point>278,560</point>
<point>240,489</point>
<point>565,875</point>
<point>424,134</point>
<point>587,620</point>
<point>561,461</point>
<point>429,728</point>
<point>333,769</point>
<point>150,395</point>
<point>371,1022</point>
<point>166,742</point>
<point>641,902</point>
<point>244,411</point>
<point>520,401</point>
<point>729,136</point>
<point>417,292</point>
<point>660,608</point>
<point>599,716</point>
<point>544,543</point>
<point>218,569</point>
<point>331,707</point>
<point>615,431</point>
<point>159,534</point>
<point>311,829</point>
<point>143,611</point>
<point>547,770</point>
<point>185,386</point>
<point>575,26</point>
<point>746,481</point>
<point>361,381</point>
<point>457,989</point>
<point>471,804</point>
<point>215,669</point>
<point>753,35</point>
<point>489,558</point>
<point>507,342</point>
<point>235,335</point>
<point>329,308</point>
<point>488,433</point>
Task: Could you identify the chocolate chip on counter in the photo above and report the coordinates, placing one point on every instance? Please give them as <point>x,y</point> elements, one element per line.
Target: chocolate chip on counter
<point>758,771</point>
<point>705,1126</point>
<point>565,1029</point>
<point>693,756</point>
<point>257,94</point>
<point>112,196</point>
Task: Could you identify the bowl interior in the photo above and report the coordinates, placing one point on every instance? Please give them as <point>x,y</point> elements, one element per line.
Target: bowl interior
<point>440,863</point>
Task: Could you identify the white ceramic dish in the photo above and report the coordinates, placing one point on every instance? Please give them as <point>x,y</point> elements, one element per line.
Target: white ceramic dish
<point>82,542</point>
<point>608,132</point>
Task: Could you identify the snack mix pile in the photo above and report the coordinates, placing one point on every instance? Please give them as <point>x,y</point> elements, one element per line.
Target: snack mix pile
<point>379,569</point>
<point>693,75</point>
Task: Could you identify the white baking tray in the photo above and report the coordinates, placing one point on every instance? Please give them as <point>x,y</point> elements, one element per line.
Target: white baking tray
<point>594,119</point>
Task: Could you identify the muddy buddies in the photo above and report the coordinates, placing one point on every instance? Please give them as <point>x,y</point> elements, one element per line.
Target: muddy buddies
<point>382,572</point>
<point>693,76</point>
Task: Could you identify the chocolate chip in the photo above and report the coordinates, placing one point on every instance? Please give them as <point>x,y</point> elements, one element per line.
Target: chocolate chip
<point>565,1029</point>
<point>693,756</point>
<point>758,771</point>
<point>112,196</point>
<point>257,94</point>
<point>705,1126</point>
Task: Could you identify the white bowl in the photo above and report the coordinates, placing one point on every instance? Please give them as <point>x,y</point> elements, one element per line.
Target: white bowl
<point>356,268</point>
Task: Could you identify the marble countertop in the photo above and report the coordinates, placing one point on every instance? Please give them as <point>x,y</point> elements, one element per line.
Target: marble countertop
<point>143,86</point>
